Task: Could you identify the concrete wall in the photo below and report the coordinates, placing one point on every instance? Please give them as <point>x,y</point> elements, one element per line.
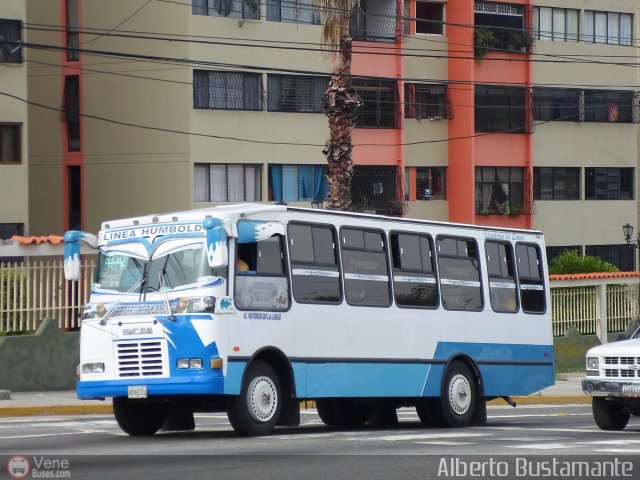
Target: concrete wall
<point>44,361</point>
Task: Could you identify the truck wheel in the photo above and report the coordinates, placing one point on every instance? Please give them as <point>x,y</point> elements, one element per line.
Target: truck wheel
<point>459,396</point>
<point>139,418</point>
<point>609,414</point>
<point>257,409</point>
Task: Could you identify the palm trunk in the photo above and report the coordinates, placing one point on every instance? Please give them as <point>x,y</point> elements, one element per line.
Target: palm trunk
<point>340,103</point>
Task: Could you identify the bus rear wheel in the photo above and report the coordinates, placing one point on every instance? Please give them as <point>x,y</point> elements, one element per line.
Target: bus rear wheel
<point>257,409</point>
<point>459,397</point>
<point>609,414</point>
<point>139,418</point>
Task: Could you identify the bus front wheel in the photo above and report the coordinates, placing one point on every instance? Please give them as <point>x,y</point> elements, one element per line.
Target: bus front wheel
<point>257,409</point>
<point>139,418</point>
<point>459,397</point>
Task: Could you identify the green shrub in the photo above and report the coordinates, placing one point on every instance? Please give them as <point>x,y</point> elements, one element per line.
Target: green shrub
<point>8,282</point>
<point>571,262</point>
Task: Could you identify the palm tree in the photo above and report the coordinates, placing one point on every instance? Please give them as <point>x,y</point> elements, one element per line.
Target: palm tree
<point>340,101</point>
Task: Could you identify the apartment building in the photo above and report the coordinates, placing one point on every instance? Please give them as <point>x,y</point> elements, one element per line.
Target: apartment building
<point>14,199</point>
<point>516,113</point>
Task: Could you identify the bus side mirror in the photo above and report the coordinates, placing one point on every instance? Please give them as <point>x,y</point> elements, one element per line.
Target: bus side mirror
<point>72,241</point>
<point>217,251</point>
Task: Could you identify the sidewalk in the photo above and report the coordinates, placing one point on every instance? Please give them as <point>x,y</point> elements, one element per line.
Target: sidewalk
<point>567,390</point>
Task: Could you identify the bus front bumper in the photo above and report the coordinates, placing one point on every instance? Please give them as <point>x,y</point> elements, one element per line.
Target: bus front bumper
<point>98,389</point>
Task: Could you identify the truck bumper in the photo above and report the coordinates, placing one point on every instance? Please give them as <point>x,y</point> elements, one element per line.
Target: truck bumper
<point>604,388</point>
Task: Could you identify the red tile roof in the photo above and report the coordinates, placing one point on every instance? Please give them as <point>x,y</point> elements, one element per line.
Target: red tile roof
<point>594,275</point>
<point>52,239</point>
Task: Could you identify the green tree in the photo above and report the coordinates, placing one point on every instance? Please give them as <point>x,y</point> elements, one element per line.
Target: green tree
<point>571,262</point>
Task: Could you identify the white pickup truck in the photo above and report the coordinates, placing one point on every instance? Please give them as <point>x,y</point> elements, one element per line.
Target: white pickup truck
<point>613,380</point>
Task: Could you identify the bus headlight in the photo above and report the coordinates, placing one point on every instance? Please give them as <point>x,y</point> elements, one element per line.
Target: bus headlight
<point>593,363</point>
<point>193,363</point>
<point>93,368</point>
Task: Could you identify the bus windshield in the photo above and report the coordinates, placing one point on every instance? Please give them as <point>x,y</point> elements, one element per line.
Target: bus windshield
<point>120,273</point>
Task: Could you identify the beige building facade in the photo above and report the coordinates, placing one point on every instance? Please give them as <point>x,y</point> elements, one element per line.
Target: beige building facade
<point>161,106</point>
<point>14,151</point>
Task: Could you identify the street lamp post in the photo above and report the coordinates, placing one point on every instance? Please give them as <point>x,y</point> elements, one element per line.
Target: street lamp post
<point>627,230</point>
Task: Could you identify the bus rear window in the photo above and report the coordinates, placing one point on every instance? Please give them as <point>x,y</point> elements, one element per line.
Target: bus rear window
<point>501,271</point>
<point>530,276</point>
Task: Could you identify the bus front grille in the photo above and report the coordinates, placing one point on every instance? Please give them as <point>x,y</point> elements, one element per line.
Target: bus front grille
<point>140,359</point>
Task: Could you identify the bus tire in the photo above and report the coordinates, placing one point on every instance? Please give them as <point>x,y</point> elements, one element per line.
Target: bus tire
<point>138,418</point>
<point>343,412</point>
<point>350,412</point>
<point>430,413</point>
<point>459,395</point>
<point>609,414</point>
<point>257,409</point>
<point>324,407</point>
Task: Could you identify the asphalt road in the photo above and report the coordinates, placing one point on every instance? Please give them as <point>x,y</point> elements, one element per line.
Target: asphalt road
<point>94,445</point>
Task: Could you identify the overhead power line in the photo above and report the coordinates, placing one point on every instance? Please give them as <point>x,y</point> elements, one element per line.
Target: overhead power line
<point>253,68</point>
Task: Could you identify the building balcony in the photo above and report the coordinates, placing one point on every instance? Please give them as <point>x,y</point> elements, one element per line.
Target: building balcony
<point>376,21</point>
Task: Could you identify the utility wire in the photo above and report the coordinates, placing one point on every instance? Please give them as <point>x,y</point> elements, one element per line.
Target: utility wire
<point>243,67</point>
<point>314,47</point>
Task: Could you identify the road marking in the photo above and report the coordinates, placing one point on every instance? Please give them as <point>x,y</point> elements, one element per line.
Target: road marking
<point>541,446</point>
<point>41,435</point>
<point>559,414</point>
<point>445,443</point>
<point>619,450</point>
<point>426,436</point>
<point>622,441</point>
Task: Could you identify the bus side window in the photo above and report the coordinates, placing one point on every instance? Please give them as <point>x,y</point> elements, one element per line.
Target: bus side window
<point>502,282</point>
<point>262,284</point>
<point>459,270</point>
<point>414,279</point>
<point>530,276</point>
<point>314,265</point>
<point>366,274</point>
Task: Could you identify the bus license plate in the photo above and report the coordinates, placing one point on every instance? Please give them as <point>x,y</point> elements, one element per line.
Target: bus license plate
<point>632,390</point>
<point>137,391</point>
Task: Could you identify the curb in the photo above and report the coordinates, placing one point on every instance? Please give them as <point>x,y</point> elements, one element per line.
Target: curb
<point>545,400</point>
<point>33,411</point>
<point>55,410</point>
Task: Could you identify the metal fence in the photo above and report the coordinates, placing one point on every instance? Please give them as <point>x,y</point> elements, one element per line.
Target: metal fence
<point>34,290</point>
<point>581,308</point>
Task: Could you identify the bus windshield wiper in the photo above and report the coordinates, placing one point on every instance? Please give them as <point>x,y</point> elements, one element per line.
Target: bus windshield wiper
<point>165,298</point>
<point>112,309</point>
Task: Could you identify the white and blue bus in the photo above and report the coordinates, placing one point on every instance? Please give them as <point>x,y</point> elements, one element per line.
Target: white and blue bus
<point>250,309</point>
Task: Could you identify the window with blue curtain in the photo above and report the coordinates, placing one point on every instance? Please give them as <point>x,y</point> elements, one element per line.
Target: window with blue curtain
<point>297,183</point>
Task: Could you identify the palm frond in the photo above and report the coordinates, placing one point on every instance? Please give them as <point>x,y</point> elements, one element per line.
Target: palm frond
<point>335,15</point>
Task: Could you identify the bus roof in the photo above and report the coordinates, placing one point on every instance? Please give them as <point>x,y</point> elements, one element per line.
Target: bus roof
<point>236,211</point>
